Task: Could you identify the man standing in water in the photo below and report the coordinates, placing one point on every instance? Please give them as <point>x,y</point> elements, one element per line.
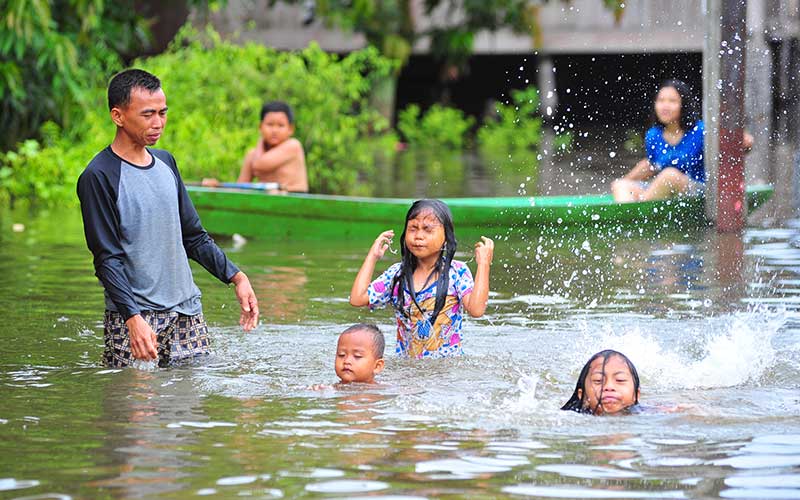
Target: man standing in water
<point>141,227</point>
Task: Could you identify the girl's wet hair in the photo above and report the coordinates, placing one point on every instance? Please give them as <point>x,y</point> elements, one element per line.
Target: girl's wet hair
<point>405,278</point>
<point>690,104</point>
<point>578,402</point>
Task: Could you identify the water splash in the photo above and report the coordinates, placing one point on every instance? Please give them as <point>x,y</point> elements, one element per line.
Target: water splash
<point>724,351</point>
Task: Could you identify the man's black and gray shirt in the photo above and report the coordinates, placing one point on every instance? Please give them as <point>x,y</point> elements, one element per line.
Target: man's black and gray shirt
<point>141,226</point>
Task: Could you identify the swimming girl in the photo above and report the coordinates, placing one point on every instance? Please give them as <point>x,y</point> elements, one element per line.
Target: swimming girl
<point>674,147</point>
<point>608,385</point>
<point>428,289</point>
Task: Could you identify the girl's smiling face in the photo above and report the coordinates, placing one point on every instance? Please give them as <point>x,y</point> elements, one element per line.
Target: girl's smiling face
<point>609,386</point>
<point>668,106</point>
<point>424,235</point>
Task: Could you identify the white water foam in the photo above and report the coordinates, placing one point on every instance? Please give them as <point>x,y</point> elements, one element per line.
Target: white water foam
<point>724,351</point>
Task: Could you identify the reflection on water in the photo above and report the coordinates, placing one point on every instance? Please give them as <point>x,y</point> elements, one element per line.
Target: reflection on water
<point>711,333</point>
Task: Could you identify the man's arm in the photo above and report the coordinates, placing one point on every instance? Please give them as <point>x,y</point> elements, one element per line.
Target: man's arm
<point>276,157</point>
<point>101,228</point>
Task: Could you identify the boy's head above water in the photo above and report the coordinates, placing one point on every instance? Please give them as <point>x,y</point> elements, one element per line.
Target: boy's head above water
<point>359,354</point>
<point>608,385</point>
<point>277,123</point>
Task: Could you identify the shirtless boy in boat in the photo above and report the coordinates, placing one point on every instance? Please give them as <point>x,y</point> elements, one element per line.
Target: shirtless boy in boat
<point>278,157</point>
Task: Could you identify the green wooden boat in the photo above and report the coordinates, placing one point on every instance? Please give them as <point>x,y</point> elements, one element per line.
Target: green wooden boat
<point>255,213</point>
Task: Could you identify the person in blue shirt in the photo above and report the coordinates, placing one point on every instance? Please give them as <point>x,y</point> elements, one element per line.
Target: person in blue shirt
<point>674,147</point>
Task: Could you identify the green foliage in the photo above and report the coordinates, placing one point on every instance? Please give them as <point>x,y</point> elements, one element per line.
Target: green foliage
<point>517,126</point>
<point>215,90</point>
<point>390,25</point>
<point>617,7</point>
<point>563,141</point>
<point>51,51</point>
<point>453,42</point>
<point>634,143</point>
<point>33,172</point>
<point>386,24</point>
<point>439,127</point>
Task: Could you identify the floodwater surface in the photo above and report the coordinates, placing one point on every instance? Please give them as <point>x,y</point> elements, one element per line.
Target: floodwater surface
<point>710,321</point>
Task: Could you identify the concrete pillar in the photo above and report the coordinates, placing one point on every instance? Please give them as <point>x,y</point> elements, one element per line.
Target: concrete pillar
<point>546,81</point>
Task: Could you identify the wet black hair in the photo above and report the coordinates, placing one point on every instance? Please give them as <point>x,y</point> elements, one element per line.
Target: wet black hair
<point>277,107</point>
<point>378,341</point>
<point>690,104</point>
<point>405,278</point>
<point>578,403</point>
<point>123,83</point>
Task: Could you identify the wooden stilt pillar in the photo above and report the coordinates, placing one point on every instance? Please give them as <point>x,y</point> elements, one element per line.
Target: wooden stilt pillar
<point>731,209</point>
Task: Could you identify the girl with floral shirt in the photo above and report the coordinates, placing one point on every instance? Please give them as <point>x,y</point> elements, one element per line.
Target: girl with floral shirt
<point>428,289</point>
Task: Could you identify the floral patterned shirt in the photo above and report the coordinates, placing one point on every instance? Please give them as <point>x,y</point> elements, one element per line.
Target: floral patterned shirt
<point>416,336</point>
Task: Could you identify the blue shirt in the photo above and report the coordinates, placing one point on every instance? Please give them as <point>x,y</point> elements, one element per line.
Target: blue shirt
<point>686,156</point>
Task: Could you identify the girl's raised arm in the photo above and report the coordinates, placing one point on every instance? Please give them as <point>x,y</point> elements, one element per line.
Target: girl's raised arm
<point>475,302</point>
<point>358,294</point>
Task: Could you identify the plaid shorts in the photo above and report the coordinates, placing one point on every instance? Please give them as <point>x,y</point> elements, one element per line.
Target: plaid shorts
<point>180,338</point>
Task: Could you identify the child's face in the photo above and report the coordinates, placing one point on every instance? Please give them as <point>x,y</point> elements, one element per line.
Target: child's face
<point>609,389</point>
<point>668,106</point>
<point>424,235</point>
<point>275,128</point>
<point>355,358</point>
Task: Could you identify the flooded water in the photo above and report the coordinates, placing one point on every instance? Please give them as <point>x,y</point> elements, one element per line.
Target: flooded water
<point>711,322</point>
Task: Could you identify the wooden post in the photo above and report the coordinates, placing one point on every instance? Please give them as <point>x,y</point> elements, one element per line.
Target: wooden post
<point>731,207</point>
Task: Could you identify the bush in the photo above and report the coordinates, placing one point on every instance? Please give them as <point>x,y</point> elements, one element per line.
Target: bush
<point>53,51</point>
<point>215,90</point>
<point>440,127</point>
<point>517,125</point>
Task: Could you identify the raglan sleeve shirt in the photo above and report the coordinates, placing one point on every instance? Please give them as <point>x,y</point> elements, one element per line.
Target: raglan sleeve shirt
<point>137,270</point>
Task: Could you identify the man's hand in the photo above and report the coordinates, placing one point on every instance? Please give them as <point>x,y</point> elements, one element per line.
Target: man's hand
<point>144,343</point>
<point>247,300</point>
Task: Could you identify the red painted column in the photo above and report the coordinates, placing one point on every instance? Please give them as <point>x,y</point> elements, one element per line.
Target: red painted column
<point>731,209</point>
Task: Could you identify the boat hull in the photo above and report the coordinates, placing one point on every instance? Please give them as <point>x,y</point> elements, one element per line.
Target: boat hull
<point>307,216</point>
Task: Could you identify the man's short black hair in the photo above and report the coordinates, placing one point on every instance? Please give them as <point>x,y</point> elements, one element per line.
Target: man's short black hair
<point>277,107</point>
<point>378,342</point>
<point>121,85</point>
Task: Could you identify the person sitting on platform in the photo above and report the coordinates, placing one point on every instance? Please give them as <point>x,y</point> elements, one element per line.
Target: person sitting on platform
<point>674,147</point>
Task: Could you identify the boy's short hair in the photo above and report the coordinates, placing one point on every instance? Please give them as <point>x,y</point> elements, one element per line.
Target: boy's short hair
<point>378,342</point>
<point>277,107</point>
<point>123,83</point>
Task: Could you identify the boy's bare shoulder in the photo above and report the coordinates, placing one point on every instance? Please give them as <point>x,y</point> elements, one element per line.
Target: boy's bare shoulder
<point>294,143</point>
